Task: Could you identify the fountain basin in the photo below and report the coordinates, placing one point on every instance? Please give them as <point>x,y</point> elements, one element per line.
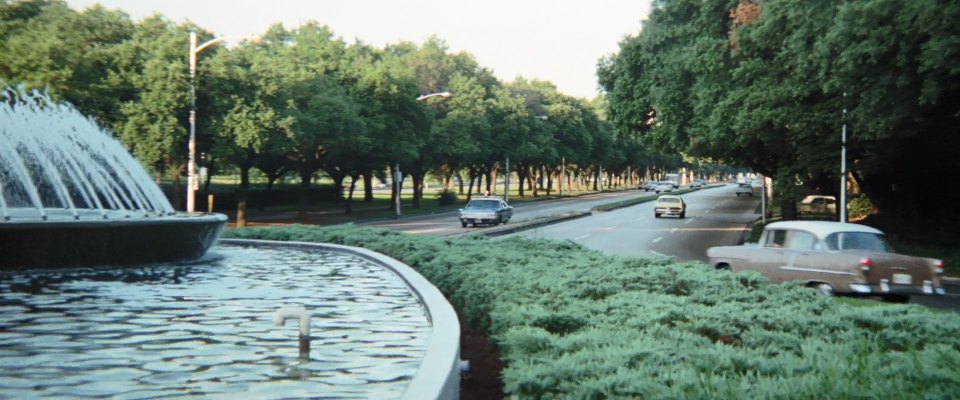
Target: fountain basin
<point>106,239</point>
<point>205,328</point>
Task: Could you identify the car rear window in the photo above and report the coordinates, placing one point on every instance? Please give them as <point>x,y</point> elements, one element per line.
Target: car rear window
<point>857,241</point>
<point>484,204</point>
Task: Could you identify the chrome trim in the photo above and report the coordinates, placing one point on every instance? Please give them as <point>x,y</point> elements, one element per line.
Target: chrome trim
<point>825,271</point>
<point>860,288</point>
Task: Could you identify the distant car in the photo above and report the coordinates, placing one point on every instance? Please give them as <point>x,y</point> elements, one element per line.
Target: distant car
<point>697,184</point>
<point>669,205</point>
<point>744,189</point>
<point>648,186</point>
<point>486,210</point>
<point>817,204</point>
<point>665,186</point>
<point>833,257</point>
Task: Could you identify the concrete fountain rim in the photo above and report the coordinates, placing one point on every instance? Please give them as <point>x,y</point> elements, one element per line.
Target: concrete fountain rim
<point>439,374</point>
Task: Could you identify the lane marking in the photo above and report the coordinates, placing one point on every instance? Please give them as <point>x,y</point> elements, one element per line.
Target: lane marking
<point>582,237</point>
<point>673,230</point>
<point>657,240</point>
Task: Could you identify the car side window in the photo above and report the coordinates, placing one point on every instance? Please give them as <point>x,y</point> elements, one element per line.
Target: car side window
<point>799,240</point>
<point>775,238</point>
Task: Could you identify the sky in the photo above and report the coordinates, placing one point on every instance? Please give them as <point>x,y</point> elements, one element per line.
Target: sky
<point>559,41</point>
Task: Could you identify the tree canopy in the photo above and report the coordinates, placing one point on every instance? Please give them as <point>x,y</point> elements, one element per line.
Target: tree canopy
<point>771,84</point>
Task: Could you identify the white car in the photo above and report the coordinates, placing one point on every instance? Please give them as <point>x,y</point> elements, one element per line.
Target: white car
<point>744,189</point>
<point>663,187</point>
<point>817,204</point>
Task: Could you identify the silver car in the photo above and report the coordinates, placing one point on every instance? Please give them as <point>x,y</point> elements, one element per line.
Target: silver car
<point>663,187</point>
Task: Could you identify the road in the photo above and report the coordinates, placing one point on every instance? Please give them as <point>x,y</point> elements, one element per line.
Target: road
<point>447,224</point>
<point>715,216</point>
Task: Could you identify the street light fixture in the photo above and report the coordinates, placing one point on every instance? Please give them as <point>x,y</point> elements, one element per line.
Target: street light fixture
<point>440,94</point>
<point>397,175</point>
<point>192,181</point>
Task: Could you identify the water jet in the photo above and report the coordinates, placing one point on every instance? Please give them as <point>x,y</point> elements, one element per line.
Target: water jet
<point>72,195</point>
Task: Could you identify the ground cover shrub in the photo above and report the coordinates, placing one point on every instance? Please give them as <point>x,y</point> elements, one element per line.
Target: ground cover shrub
<point>576,323</point>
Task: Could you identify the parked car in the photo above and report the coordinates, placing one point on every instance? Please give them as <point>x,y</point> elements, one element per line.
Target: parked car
<point>486,210</point>
<point>817,204</point>
<point>744,189</point>
<point>833,257</point>
<point>663,187</point>
<point>697,184</point>
<point>669,205</point>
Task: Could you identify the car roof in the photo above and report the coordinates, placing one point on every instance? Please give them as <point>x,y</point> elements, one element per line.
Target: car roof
<point>669,196</point>
<point>486,198</point>
<point>823,228</point>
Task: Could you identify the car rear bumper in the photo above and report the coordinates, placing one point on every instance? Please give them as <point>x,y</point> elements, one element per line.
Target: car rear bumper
<point>478,220</point>
<point>668,211</point>
<point>885,287</point>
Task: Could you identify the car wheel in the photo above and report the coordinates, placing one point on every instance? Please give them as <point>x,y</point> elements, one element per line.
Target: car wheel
<point>683,215</point>
<point>655,215</point>
<point>474,224</point>
<point>824,289</point>
<point>463,224</point>
<point>499,220</point>
<point>738,194</point>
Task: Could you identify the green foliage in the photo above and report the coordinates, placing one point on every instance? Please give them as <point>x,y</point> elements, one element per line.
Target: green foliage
<point>575,323</point>
<point>447,197</point>
<point>769,84</point>
<point>859,207</point>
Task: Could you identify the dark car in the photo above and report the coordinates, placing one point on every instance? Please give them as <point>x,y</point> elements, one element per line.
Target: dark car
<point>487,210</point>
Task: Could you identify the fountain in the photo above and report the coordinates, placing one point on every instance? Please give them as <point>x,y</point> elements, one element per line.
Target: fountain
<point>160,316</point>
<point>73,196</point>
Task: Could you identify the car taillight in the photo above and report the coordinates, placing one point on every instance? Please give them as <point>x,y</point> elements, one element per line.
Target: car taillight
<point>938,267</point>
<point>866,263</point>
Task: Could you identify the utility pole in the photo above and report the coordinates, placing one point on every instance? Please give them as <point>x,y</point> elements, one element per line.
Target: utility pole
<point>843,164</point>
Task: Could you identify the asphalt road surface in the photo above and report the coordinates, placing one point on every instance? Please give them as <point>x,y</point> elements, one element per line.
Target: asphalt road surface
<point>715,216</point>
<point>448,224</point>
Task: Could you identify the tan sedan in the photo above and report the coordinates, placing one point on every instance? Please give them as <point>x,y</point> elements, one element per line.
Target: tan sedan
<point>833,257</point>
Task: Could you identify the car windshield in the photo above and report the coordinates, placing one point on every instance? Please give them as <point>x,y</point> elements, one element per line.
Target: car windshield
<point>858,241</point>
<point>483,204</point>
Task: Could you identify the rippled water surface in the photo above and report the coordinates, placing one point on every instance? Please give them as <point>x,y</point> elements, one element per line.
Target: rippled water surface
<point>206,329</point>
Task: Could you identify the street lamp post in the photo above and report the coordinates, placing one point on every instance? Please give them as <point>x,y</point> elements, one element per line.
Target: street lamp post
<point>397,175</point>
<point>843,165</point>
<point>506,182</point>
<point>192,182</point>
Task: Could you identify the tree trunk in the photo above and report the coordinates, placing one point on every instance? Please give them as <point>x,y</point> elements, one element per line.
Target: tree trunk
<point>417,188</point>
<point>367,187</point>
<point>242,201</point>
<point>353,186</point>
<point>305,176</point>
